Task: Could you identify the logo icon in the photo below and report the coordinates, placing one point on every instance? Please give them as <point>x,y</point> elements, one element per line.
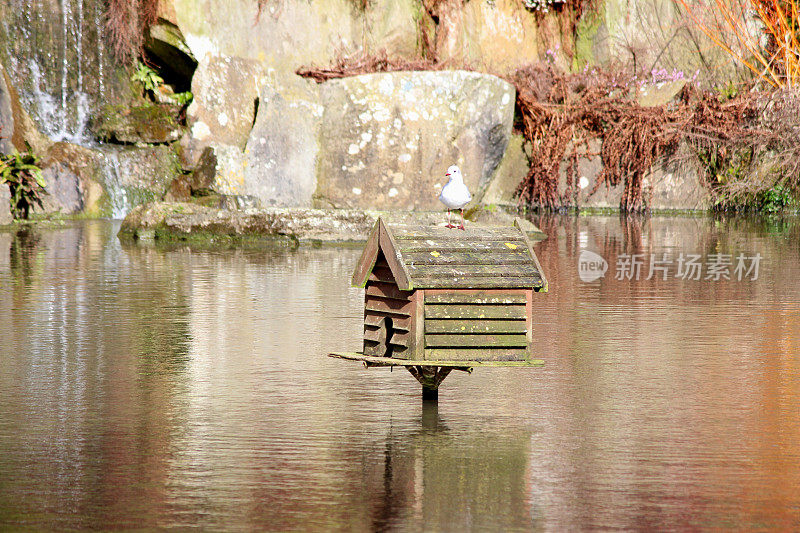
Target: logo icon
<point>591,266</point>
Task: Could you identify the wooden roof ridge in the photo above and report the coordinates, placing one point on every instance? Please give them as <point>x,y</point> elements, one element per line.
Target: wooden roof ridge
<point>380,239</point>
<point>519,225</point>
<point>436,257</point>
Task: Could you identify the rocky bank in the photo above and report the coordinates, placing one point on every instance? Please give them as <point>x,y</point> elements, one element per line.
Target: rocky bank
<point>258,132</point>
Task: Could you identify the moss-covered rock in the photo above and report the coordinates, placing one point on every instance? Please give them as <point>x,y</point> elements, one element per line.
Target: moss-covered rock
<point>146,123</point>
<point>19,127</point>
<point>203,176</point>
<point>136,175</point>
<point>191,221</point>
<point>105,182</point>
<point>165,42</point>
<point>185,221</point>
<point>198,182</point>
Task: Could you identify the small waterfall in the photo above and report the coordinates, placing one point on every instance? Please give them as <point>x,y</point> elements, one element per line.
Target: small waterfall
<point>99,28</point>
<point>51,58</point>
<point>57,55</point>
<point>131,176</point>
<point>114,177</point>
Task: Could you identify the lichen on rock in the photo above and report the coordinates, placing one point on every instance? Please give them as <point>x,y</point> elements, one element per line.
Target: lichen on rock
<point>225,101</point>
<point>386,139</point>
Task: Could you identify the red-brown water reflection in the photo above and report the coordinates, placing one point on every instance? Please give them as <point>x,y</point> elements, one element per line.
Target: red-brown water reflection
<point>160,387</point>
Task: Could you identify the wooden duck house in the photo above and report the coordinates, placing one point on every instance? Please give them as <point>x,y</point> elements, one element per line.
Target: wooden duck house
<point>439,299</point>
<point>439,294</point>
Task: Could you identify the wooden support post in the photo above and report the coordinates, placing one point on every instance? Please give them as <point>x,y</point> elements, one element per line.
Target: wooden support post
<point>430,395</point>
<point>430,377</point>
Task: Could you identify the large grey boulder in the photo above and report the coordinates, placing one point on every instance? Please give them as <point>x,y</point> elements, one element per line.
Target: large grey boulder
<point>66,169</point>
<point>283,147</point>
<point>323,144</point>
<point>386,140</point>
<point>510,172</point>
<point>226,97</point>
<point>5,205</point>
<point>278,165</point>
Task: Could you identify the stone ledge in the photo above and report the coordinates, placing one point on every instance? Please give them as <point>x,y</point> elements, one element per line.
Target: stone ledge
<point>185,221</point>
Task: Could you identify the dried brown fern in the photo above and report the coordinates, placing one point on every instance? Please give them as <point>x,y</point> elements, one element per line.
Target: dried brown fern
<point>559,113</point>
<point>126,22</point>
<point>345,67</point>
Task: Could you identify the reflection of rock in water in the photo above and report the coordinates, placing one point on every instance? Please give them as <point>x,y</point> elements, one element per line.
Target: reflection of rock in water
<point>439,478</point>
<point>22,252</point>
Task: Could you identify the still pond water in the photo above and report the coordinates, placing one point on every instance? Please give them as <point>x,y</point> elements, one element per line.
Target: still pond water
<point>160,387</point>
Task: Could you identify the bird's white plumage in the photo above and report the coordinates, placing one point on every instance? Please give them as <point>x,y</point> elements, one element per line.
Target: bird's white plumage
<point>455,194</point>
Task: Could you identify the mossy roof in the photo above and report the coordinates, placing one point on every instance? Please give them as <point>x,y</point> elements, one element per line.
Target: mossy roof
<point>435,257</point>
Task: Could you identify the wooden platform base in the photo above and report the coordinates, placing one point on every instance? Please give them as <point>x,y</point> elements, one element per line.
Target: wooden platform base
<point>430,374</point>
<point>369,360</point>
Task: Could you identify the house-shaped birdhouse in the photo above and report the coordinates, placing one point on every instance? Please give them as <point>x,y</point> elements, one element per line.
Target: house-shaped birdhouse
<point>439,294</point>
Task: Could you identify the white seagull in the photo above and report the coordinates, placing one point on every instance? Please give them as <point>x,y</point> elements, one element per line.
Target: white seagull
<point>455,195</point>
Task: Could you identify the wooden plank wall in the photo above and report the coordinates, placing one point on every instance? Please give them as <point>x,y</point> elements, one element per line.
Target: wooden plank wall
<point>477,325</point>
<point>388,313</point>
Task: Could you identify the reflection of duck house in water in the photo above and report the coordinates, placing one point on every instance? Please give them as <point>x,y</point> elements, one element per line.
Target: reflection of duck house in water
<point>438,299</point>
